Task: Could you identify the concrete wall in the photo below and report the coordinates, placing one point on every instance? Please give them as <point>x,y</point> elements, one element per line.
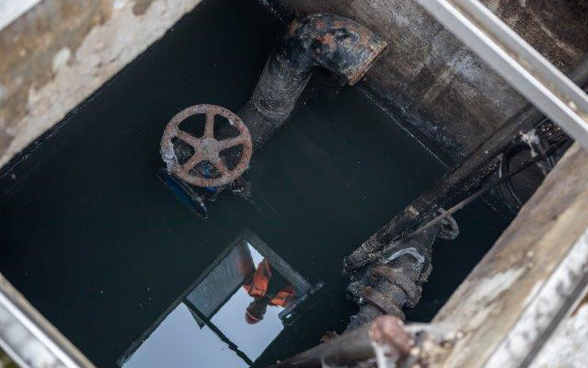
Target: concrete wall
<point>56,53</point>
<point>443,93</point>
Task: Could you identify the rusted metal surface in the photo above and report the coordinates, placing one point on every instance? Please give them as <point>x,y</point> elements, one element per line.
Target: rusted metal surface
<point>394,280</point>
<point>328,41</point>
<point>391,280</point>
<point>339,44</point>
<point>461,178</point>
<point>206,148</point>
<point>390,332</point>
<point>432,83</point>
<point>59,52</point>
<point>384,338</point>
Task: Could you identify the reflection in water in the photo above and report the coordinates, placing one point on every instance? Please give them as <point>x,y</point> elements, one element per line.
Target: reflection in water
<point>229,316</point>
<point>266,289</point>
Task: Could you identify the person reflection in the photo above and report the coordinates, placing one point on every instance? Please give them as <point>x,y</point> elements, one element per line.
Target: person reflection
<point>266,288</point>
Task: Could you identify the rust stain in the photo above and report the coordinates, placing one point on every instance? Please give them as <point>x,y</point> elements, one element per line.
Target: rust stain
<point>389,331</point>
<point>463,114</point>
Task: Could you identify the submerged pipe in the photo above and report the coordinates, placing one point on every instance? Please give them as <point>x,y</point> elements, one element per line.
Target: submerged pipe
<point>338,44</point>
<point>462,177</point>
<point>394,278</point>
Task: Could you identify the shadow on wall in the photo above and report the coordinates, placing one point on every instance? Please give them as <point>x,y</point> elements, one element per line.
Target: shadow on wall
<point>230,315</point>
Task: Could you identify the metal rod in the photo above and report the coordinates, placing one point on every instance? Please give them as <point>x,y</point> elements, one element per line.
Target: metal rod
<point>465,202</point>
<point>217,331</point>
<point>481,192</point>
<point>356,346</point>
<point>457,181</point>
<point>461,178</point>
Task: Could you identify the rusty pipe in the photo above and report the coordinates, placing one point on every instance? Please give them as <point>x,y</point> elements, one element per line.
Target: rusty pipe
<point>357,346</point>
<point>323,40</point>
<point>332,42</point>
<point>389,287</point>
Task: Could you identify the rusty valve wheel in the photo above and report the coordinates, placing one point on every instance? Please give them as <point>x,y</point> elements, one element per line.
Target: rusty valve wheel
<point>206,148</point>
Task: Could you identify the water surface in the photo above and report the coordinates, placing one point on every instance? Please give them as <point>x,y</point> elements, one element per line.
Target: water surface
<point>106,253</point>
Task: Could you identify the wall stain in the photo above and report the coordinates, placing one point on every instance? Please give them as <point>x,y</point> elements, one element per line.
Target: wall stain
<point>28,47</point>
<point>141,6</point>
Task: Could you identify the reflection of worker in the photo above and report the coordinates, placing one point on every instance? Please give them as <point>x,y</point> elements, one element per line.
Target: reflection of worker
<point>266,289</point>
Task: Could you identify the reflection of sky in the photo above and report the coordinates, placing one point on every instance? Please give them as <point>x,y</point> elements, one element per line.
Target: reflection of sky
<point>254,255</point>
<point>179,342</point>
<point>251,339</point>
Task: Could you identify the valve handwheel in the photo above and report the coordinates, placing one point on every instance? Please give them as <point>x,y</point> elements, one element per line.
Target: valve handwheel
<point>206,148</point>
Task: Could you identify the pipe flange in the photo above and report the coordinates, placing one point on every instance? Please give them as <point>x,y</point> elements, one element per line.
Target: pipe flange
<point>381,302</point>
<point>385,273</point>
<point>206,148</point>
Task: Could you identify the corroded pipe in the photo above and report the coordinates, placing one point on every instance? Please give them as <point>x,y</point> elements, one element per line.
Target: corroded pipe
<point>328,41</point>
<point>385,333</point>
<point>394,284</point>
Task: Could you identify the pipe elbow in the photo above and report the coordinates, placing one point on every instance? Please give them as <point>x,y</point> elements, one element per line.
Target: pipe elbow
<point>338,44</point>
<point>329,41</point>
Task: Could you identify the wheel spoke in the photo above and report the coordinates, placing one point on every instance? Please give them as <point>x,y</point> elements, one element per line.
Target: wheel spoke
<point>209,127</point>
<point>220,166</point>
<point>231,142</point>
<point>192,141</point>
<point>192,162</point>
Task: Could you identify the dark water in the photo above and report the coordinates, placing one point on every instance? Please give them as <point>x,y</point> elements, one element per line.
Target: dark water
<point>104,251</point>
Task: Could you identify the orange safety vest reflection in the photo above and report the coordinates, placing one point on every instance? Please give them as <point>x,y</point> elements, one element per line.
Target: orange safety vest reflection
<point>258,286</point>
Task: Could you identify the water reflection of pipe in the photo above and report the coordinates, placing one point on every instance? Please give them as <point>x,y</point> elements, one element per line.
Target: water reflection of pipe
<point>222,336</point>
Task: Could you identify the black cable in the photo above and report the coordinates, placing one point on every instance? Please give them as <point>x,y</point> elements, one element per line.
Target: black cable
<point>544,145</point>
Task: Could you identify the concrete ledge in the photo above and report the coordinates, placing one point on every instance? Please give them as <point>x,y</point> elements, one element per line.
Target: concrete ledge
<point>59,52</point>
